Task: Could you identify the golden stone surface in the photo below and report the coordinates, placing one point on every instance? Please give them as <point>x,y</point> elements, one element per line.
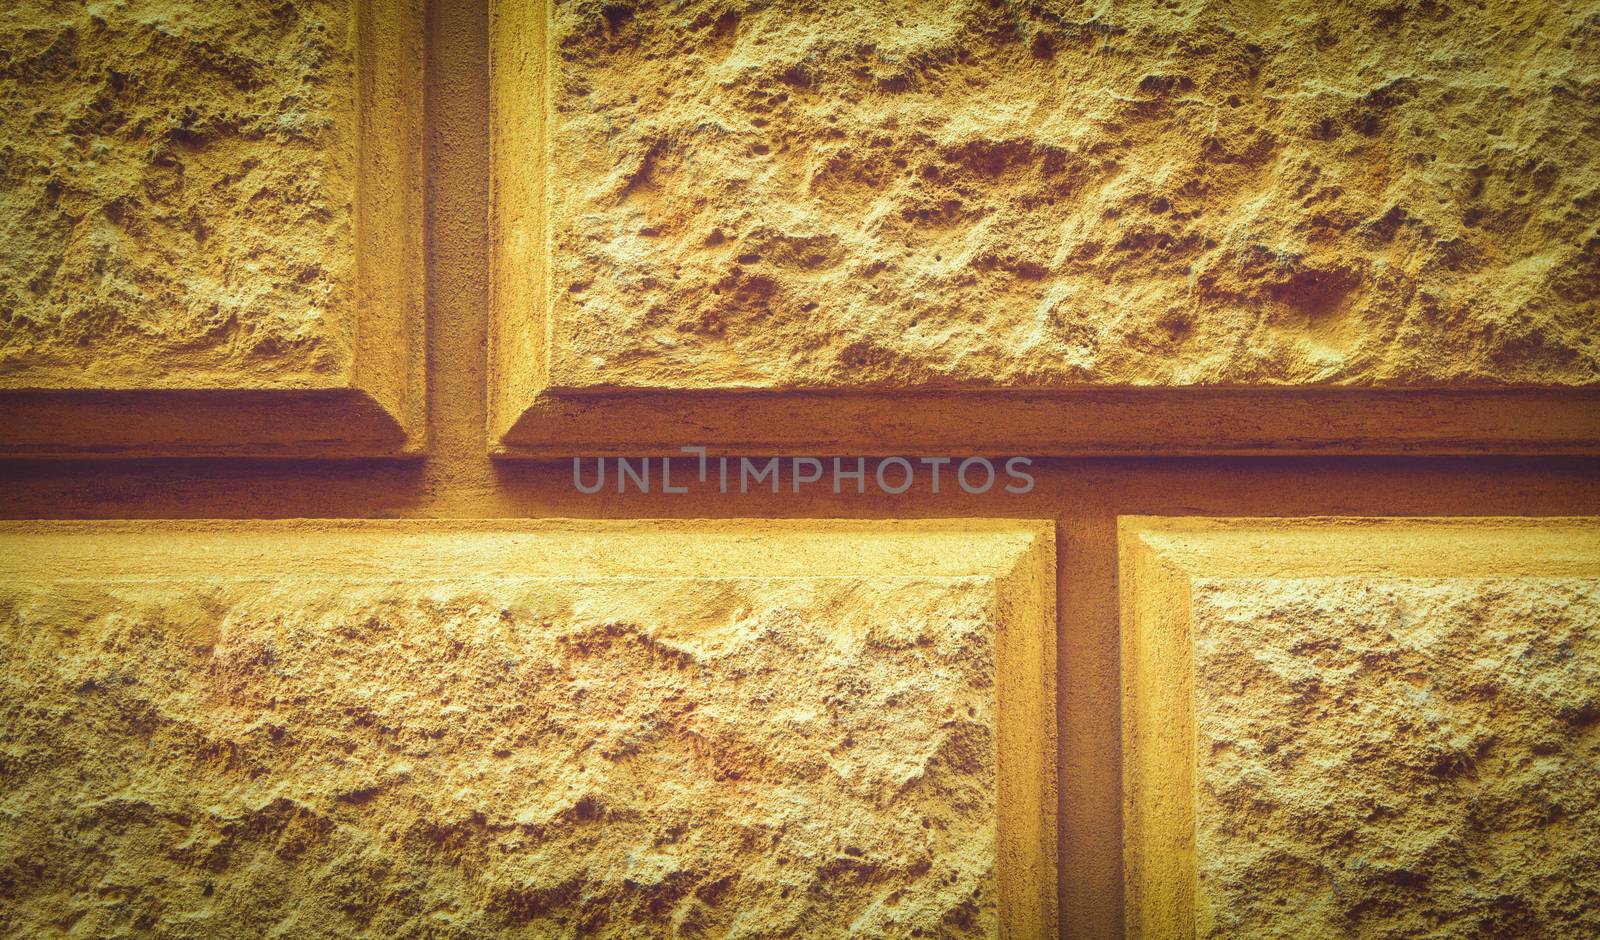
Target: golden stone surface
<point>1362,727</point>
<point>215,200</point>
<point>474,729</point>
<point>713,197</point>
<point>864,195</point>
<point>922,229</point>
<point>180,209</point>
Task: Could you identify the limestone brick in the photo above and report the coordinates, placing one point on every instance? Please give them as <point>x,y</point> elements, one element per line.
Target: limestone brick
<point>212,227</point>
<point>1362,727</point>
<point>987,209</point>
<point>481,729</point>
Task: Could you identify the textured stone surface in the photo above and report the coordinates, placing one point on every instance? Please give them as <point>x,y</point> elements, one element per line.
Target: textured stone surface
<point>1384,753</point>
<point>1042,195</point>
<point>371,734</point>
<point>176,186</point>
<point>1399,758</point>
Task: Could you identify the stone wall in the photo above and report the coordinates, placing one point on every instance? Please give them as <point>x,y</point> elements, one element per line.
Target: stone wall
<point>306,630</point>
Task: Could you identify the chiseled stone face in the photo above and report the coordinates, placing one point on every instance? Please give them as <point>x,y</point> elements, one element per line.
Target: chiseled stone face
<point>177,193</point>
<point>1398,757</point>
<point>1362,727</point>
<point>504,731</point>
<point>911,194</point>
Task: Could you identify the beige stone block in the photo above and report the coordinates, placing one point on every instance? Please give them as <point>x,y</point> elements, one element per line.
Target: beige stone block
<point>213,220</point>
<point>1361,727</point>
<point>1042,227</point>
<point>469,729</point>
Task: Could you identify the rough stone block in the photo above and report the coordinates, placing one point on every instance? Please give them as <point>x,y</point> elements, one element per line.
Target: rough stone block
<point>709,200</point>
<point>463,729</point>
<point>1362,727</point>
<point>213,220</point>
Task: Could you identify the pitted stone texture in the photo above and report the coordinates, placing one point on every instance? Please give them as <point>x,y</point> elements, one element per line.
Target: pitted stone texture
<point>176,193</point>
<point>340,754</point>
<point>1035,195</point>
<point>1398,758</point>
